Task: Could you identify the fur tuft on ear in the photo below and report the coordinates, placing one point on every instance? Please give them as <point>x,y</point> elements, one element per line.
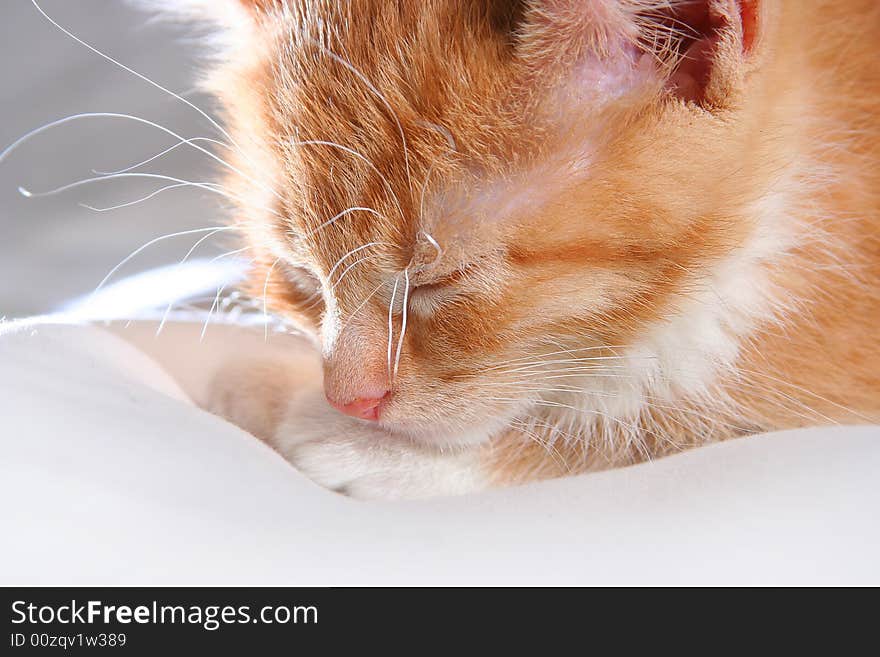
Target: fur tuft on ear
<point>695,48</point>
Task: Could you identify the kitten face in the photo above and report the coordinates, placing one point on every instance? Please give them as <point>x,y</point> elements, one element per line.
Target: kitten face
<point>478,208</point>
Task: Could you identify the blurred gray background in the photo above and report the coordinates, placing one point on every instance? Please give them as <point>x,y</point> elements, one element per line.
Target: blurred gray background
<point>52,249</point>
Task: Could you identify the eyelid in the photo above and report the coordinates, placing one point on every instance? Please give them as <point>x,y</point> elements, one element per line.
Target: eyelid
<point>299,275</point>
<point>435,285</point>
<point>428,297</point>
<point>447,280</point>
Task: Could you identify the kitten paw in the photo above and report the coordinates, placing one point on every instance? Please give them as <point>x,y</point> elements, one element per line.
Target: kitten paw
<point>386,467</point>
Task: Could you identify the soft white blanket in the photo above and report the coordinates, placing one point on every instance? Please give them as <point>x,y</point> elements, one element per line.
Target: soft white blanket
<point>110,474</point>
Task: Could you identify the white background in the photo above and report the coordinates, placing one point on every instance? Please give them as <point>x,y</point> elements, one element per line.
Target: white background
<point>52,249</point>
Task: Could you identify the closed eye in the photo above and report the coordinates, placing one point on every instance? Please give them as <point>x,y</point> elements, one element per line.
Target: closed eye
<point>303,288</point>
<point>426,297</point>
<point>302,278</point>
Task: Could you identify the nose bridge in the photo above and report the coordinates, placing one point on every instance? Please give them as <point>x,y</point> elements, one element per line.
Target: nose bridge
<point>347,314</point>
<point>356,366</point>
<point>352,272</point>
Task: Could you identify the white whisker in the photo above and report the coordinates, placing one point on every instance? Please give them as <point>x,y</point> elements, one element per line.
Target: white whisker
<point>351,253</point>
<point>211,312</point>
<point>354,153</point>
<point>402,322</point>
<point>349,268</point>
<point>140,76</point>
<point>391,323</point>
<point>207,186</point>
<point>143,247</point>
<point>137,119</point>
<point>422,198</point>
<point>554,353</point>
<point>265,300</point>
<point>362,304</point>
<point>433,243</point>
<point>181,263</point>
<point>140,200</point>
<point>168,150</point>
<point>230,253</point>
<point>340,215</point>
<point>363,78</point>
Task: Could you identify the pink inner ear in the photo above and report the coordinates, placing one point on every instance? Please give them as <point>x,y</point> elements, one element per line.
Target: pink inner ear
<point>748,14</point>
<point>606,48</point>
<point>692,75</point>
<point>705,20</point>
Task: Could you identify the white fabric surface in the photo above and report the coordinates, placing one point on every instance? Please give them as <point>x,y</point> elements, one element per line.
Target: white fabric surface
<point>111,475</point>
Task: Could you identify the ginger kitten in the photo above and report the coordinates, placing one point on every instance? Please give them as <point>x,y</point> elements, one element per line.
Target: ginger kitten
<point>541,237</point>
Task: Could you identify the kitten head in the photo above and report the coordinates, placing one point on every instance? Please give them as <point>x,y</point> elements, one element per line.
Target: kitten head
<point>478,206</point>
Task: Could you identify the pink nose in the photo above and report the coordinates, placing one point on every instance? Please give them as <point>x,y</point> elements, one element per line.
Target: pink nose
<point>362,408</point>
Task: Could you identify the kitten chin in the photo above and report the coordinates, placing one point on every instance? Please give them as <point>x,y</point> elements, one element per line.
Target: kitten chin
<point>604,231</point>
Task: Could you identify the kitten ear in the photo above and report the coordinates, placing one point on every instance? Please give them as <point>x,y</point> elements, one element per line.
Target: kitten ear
<point>712,55</point>
<point>697,49</point>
